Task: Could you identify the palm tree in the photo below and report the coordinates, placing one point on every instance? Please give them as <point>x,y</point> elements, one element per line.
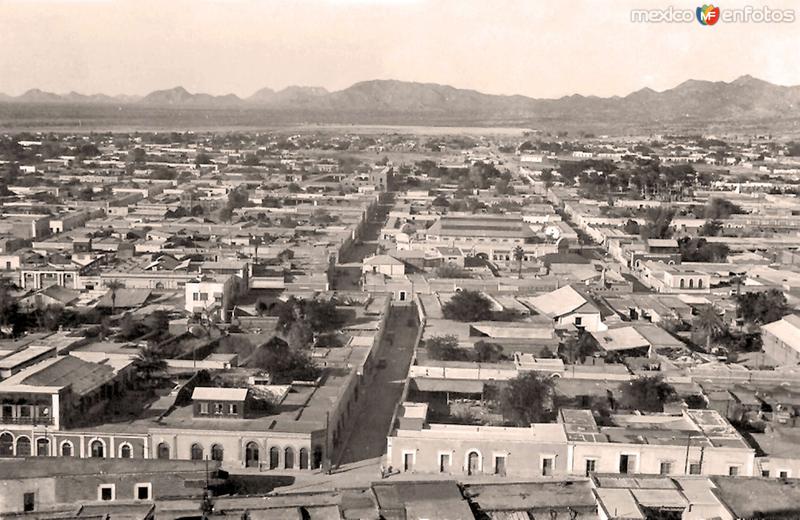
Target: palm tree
<point>519,255</point>
<point>709,323</point>
<point>149,362</point>
<point>114,286</point>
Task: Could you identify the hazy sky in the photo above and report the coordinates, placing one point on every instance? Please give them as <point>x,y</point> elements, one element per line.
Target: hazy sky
<point>534,47</point>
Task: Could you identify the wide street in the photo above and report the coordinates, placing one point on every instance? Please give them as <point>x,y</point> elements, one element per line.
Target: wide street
<point>367,436</point>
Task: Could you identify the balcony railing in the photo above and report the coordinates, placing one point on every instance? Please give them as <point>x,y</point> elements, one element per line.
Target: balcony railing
<point>26,420</point>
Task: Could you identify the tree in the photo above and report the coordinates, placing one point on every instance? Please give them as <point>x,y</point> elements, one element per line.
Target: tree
<point>648,394</point>
<point>708,323</point>
<point>445,348</point>
<point>700,250</point>
<point>468,306</point>
<point>114,286</point>
<point>487,352</point>
<point>758,308</point>
<point>659,223</point>
<point>718,208</point>
<point>148,363</point>
<point>527,399</point>
<point>519,256</point>
<point>452,270</point>
<point>578,349</point>
<point>631,227</point>
<point>711,228</point>
<point>12,321</point>
<point>202,158</point>
<point>300,336</point>
<point>283,363</point>
<point>137,156</point>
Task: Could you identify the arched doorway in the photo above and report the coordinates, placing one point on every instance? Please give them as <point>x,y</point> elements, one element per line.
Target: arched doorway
<point>274,457</point>
<point>23,447</point>
<point>288,458</point>
<point>197,452</point>
<point>97,449</point>
<point>303,458</point>
<point>6,445</point>
<point>251,455</point>
<point>473,463</point>
<point>217,452</point>
<point>162,451</point>
<point>42,448</point>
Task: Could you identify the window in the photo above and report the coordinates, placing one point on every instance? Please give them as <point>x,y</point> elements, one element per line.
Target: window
<point>98,449</point>
<point>29,502</point>
<point>143,491</point>
<point>196,296</point>
<point>694,468</point>
<point>578,321</point>
<point>197,452</point>
<point>203,296</point>
<point>163,451</point>
<point>591,466</point>
<point>233,409</point>
<point>500,465</point>
<point>23,447</point>
<point>444,462</point>
<point>665,468</point>
<point>125,451</point>
<point>218,408</point>
<point>66,449</point>
<point>733,471</point>
<point>548,463</point>
<point>217,452</point>
<point>106,492</point>
<point>783,474</point>
<point>42,448</point>
<point>765,473</point>
<point>204,408</point>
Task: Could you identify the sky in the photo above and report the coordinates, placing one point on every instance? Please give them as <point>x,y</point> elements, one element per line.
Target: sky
<point>538,48</point>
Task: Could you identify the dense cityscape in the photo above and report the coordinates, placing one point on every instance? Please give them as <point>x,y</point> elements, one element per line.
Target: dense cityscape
<point>399,260</point>
<point>356,324</point>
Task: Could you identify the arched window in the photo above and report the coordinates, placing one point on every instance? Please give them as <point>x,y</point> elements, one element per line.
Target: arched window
<point>288,458</point>
<point>699,284</point>
<point>303,458</point>
<point>125,451</point>
<point>23,447</point>
<point>274,457</point>
<point>691,283</point>
<point>197,452</point>
<point>251,455</point>
<point>66,449</point>
<point>682,283</point>
<point>217,452</point>
<point>6,445</point>
<point>163,451</point>
<point>97,449</point>
<point>42,448</point>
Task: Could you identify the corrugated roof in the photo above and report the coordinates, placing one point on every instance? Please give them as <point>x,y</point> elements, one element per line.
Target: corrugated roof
<point>83,376</point>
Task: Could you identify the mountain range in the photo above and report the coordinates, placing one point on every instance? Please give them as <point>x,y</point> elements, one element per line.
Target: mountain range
<point>744,99</point>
